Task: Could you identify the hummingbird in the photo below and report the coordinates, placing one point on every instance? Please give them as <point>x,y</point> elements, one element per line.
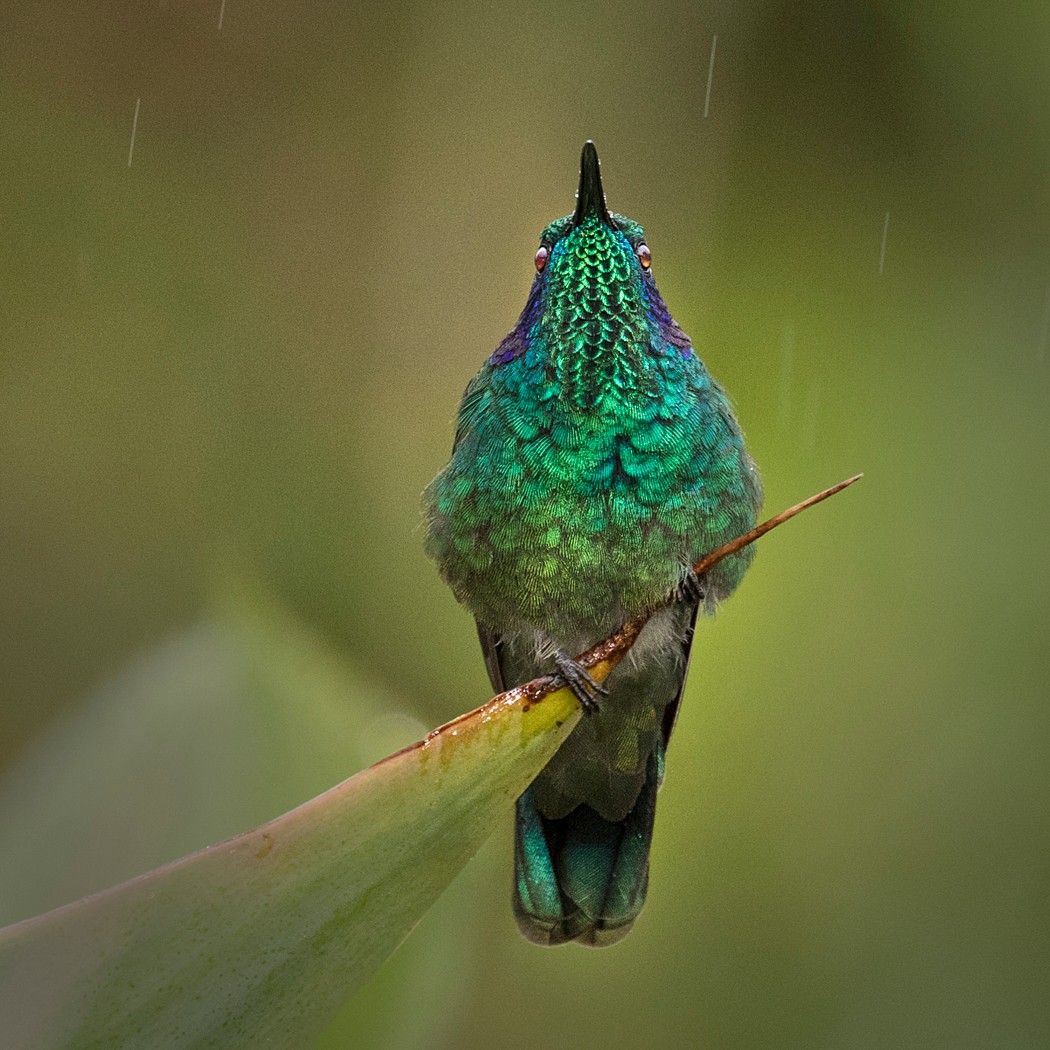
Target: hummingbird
<point>595,462</point>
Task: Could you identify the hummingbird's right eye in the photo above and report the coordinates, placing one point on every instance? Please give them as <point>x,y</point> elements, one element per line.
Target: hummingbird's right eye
<point>541,258</point>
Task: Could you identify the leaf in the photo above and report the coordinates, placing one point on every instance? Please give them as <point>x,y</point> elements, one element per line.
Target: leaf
<point>209,731</point>
<point>260,939</point>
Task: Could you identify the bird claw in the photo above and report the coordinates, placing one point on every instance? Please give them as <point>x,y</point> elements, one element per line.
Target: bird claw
<point>690,588</point>
<point>583,686</point>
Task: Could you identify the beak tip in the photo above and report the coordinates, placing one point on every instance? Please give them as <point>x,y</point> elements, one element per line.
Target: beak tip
<point>591,196</point>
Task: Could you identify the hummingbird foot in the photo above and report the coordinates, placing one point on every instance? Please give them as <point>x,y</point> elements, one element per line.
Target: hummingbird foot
<point>690,588</point>
<point>583,686</point>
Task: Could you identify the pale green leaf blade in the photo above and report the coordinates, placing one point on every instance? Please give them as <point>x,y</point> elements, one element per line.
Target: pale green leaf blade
<point>259,939</point>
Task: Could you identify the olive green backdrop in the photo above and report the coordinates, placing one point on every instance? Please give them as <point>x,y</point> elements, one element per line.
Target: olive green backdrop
<point>231,368</point>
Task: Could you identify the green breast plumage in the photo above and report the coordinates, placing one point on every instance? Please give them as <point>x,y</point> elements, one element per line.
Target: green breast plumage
<point>594,464</point>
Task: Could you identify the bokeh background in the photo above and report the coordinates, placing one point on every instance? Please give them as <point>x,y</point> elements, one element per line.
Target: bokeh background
<point>228,370</point>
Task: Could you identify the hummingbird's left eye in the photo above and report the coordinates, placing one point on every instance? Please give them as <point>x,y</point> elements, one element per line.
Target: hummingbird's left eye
<point>542,255</point>
<point>645,257</point>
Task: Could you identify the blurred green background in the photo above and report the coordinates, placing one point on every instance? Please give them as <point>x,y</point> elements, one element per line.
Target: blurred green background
<point>228,370</point>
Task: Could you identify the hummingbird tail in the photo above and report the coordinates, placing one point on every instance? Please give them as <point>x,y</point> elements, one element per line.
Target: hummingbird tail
<point>581,877</point>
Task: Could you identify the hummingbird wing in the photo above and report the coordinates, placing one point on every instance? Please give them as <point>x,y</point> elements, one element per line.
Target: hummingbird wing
<point>670,718</point>
<point>492,650</point>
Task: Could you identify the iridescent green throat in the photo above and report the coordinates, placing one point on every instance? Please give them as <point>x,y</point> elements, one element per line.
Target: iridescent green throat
<point>593,326</point>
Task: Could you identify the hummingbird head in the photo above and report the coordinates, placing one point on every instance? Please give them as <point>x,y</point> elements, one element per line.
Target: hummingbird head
<point>594,296</point>
<point>592,249</point>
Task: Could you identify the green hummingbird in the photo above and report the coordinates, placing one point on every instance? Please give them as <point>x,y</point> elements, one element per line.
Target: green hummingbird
<point>595,462</point>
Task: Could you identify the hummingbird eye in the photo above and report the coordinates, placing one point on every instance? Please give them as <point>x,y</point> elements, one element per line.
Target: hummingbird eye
<point>645,257</point>
<point>542,255</point>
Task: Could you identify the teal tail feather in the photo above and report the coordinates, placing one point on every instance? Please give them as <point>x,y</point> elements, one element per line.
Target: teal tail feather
<point>581,877</point>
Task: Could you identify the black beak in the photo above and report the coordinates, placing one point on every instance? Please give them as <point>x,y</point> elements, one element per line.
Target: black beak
<point>590,200</point>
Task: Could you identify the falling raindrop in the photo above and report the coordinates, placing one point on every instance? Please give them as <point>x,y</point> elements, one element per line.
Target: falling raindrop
<point>787,375</point>
<point>710,74</point>
<point>885,232</point>
<point>1045,334</point>
<point>134,128</point>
